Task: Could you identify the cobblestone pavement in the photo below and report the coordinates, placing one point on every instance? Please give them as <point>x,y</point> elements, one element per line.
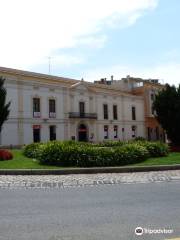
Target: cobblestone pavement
<point>82,180</point>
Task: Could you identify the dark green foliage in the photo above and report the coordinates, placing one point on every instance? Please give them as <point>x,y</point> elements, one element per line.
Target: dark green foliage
<point>167,107</point>
<point>131,153</point>
<point>32,150</point>
<point>110,143</point>
<point>4,107</point>
<point>156,149</point>
<point>59,153</point>
<point>139,139</point>
<point>62,154</point>
<point>77,154</point>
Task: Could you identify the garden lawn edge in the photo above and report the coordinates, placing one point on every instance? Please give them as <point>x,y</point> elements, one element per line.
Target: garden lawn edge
<point>93,170</point>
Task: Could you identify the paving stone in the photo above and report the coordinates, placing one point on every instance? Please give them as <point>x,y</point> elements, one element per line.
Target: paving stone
<point>82,180</point>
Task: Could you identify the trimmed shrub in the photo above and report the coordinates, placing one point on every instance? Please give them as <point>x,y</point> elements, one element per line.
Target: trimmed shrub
<point>58,153</point>
<point>80,154</point>
<point>32,150</point>
<point>62,154</point>
<point>131,153</point>
<point>139,139</point>
<point>5,154</point>
<point>155,149</point>
<point>110,143</point>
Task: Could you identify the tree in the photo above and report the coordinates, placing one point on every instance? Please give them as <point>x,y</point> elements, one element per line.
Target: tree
<point>167,107</point>
<point>4,107</point>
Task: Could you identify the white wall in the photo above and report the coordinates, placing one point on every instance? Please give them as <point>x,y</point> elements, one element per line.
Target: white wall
<point>68,101</point>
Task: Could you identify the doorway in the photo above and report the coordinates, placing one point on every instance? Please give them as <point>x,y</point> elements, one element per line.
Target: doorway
<point>36,135</point>
<point>52,133</point>
<point>82,133</point>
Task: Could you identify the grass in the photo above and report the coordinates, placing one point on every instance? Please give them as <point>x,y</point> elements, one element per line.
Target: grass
<point>172,158</point>
<point>21,162</point>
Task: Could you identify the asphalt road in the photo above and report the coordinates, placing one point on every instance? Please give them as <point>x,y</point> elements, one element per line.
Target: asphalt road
<point>109,212</point>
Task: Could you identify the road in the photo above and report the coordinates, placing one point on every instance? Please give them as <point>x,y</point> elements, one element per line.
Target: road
<point>90,212</point>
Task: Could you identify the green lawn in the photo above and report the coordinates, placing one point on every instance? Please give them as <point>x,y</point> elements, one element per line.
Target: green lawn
<point>172,158</point>
<point>21,162</point>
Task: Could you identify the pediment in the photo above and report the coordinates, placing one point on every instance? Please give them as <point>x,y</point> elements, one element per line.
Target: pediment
<point>81,86</point>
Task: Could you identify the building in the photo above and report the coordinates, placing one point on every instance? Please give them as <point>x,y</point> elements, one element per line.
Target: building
<point>45,107</point>
<point>147,88</point>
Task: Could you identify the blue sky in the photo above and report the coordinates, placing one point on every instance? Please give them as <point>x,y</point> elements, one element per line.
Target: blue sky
<point>93,39</point>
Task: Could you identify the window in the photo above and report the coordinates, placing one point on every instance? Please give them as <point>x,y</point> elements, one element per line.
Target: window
<point>115,131</point>
<point>149,133</point>
<point>157,133</point>
<point>52,133</point>
<point>105,132</point>
<point>133,113</point>
<point>115,112</point>
<point>52,108</point>
<point>36,107</point>
<point>134,131</point>
<point>36,133</point>
<point>152,96</point>
<point>152,101</point>
<point>81,108</point>
<point>105,109</point>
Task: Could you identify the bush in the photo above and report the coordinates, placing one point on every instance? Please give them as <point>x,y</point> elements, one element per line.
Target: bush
<point>131,153</point>
<point>62,154</point>
<point>58,153</point>
<point>79,154</point>
<point>155,149</point>
<point>5,154</point>
<point>32,150</point>
<point>139,139</point>
<point>110,143</point>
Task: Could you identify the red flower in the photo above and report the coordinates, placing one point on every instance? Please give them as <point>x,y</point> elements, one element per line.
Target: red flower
<point>5,154</point>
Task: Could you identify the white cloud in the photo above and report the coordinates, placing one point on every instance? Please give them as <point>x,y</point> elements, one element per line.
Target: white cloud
<point>92,41</point>
<point>167,72</point>
<point>32,30</point>
<point>66,60</point>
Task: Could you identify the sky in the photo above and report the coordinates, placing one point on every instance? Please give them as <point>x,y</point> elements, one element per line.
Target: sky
<point>92,39</point>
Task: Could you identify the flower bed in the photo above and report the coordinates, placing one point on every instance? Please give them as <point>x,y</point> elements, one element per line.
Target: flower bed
<point>5,155</point>
<point>175,148</point>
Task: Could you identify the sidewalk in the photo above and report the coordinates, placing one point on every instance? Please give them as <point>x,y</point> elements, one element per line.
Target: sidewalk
<point>82,180</point>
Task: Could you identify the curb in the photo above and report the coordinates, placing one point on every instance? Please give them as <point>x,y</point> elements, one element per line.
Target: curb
<point>88,170</point>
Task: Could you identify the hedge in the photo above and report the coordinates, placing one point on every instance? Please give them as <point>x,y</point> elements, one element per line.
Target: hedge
<point>155,149</point>
<point>78,154</point>
<point>32,150</point>
<point>60,154</point>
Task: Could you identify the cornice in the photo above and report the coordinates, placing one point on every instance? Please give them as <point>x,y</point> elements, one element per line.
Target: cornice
<point>39,76</point>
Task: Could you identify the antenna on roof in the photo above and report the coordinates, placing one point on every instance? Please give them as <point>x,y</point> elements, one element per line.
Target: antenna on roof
<point>49,58</point>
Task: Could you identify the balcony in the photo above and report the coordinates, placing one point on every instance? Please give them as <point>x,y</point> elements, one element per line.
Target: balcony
<point>82,115</point>
<point>36,114</point>
<point>52,115</point>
